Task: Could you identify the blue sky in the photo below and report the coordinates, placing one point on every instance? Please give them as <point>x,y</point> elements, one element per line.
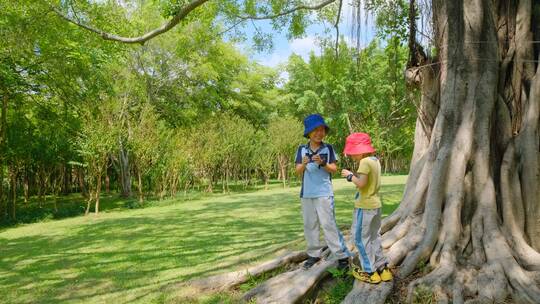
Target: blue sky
<point>283,48</point>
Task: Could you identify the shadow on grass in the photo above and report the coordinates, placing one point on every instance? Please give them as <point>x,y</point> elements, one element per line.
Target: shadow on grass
<point>66,206</point>
<point>111,255</point>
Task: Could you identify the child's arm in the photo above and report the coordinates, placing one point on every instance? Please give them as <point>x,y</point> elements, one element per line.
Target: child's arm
<point>331,168</point>
<point>302,166</point>
<point>360,181</point>
<point>300,161</point>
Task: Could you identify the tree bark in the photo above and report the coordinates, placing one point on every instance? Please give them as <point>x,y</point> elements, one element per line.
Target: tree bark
<point>140,186</point>
<point>290,287</point>
<point>293,286</point>
<point>98,190</point>
<point>369,293</point>
<point>88,203</point>
<point>39,187</point>
<point>26,186</point>
<point>80,179</point>
<point>125,173</point>
<point>12,202</point>
<point>3,147</point>
<point>282,161</point>
<point>66,179</point>
<point>107,182</point>
<point>2,199</point>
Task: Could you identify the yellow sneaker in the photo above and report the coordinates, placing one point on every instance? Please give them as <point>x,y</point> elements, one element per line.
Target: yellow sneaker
<point>373,278</point>
<point>386,275</point>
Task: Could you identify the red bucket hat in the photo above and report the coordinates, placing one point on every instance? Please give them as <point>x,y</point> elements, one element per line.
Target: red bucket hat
<point>358,143</point>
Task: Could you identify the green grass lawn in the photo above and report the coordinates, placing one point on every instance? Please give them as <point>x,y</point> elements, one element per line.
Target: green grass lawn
<point>143,254</point>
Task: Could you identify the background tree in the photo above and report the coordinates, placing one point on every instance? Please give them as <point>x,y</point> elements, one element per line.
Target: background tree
<point>144,141</point>
<point>96,142</point>
<point>47,72</point>
<point>285,133</point>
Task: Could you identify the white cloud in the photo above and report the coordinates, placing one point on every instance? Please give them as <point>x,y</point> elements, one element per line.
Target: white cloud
<point>304,46</point>
<point>274,59</point>
<point>283,79</point>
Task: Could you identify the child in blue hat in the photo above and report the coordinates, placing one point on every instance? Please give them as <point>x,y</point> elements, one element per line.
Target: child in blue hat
<point>315,163</point>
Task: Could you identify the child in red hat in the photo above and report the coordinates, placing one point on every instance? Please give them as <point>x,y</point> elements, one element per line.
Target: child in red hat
<point>367,215</point>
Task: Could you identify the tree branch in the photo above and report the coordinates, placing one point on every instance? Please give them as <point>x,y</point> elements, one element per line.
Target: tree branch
<point>412,35</point>
<point>292,10</point>
<point>186,10</point>
<point>337,27</point>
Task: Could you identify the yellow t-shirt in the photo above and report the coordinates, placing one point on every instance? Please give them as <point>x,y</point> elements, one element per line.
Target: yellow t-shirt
<point>369,195</point>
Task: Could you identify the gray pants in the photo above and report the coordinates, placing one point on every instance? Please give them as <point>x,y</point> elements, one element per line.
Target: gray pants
<point>319,212</point>
<point>367,238</point>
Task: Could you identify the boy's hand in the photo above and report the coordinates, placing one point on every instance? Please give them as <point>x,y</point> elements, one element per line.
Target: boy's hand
<point>317,159</point>
<point>305,160</point>
<point>345,173</point>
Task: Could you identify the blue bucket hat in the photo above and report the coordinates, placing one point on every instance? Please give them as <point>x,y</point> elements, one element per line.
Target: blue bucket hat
<point>312,122</point>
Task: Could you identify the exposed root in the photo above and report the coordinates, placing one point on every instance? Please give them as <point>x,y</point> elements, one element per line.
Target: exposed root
<point>478,257</point>
<point>527,256</point>
<point>391,221</point>
<point>440,294</point>
<point>435,255</point>
<point>434,279</point>
<point>466,279</point>
<point>397,233</point>
<point>232,279</point>
<point>457,292</point>
<point>414,192</point>
<point>404,246</point>
<point>493,283</point>
<point>369,293</point>
<point>289,287</point>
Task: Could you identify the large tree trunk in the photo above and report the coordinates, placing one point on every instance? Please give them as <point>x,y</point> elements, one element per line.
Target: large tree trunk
<point>470,208</point>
